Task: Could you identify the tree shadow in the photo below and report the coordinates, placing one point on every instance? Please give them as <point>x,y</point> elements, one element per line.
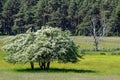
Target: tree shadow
<point>56,70</point>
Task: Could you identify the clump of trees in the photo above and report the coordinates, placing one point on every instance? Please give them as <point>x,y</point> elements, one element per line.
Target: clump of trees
<point>44,46</point>
<point>17,16</point>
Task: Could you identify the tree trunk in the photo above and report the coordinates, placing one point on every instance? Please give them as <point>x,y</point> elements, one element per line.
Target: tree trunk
<point>96,43</point>
<point>48,65</point>
<point>32,65</point>
<point>41,65</point>
<point>95,36</point>
<point>44,65</point>
<point>96,46</point>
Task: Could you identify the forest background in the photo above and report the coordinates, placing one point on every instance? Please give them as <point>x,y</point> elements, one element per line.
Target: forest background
<point>17,16</point>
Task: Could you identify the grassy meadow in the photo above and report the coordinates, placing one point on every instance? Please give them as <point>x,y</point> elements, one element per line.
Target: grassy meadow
<point>105,43</point>
<point>101,65</point>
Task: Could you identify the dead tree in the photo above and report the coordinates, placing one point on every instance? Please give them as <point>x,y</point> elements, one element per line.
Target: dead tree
<point>98,28</point>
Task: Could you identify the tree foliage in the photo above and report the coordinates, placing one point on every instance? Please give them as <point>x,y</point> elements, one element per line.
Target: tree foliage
<point>43,46</point>
<point>16,16</point>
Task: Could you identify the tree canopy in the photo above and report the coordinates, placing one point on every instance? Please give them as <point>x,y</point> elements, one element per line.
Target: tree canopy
<point>16,16</point>
<point>45,45</point>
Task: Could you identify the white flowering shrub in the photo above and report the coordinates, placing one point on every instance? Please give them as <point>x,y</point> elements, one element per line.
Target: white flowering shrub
<point>43,46</point>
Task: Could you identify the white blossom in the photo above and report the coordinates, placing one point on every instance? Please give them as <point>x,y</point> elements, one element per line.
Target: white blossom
<point>46,45</point>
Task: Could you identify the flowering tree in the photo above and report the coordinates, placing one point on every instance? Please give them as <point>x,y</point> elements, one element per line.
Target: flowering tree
<point>43,46</point>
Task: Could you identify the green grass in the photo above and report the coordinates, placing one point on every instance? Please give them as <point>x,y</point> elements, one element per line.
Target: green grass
<point>90,68</point>
<point>104,43</point>
<point>96,66</point>
<point>54,76</point>
<point>103,65</point>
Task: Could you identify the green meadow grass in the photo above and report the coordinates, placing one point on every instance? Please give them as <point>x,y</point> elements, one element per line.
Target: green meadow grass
<point>104,43</point>
<point>95,66</point>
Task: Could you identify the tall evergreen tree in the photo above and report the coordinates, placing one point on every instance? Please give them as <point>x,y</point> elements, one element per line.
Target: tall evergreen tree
<point>19,15</point>
<point>10,8</point>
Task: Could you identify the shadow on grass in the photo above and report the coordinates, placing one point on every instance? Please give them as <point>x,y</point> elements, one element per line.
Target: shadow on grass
<point>56,70</point>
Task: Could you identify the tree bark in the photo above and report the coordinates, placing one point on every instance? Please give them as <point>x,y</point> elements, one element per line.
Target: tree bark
<point>32,65</point>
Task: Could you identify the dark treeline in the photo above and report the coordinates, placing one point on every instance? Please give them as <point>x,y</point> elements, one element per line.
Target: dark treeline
<point>16,16</point>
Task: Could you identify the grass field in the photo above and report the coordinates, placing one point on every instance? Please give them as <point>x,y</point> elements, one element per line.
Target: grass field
<point>104,43</point>
<point>91,67</point>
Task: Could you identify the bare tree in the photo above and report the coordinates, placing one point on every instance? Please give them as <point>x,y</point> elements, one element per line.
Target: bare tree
<point>98,28</point>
